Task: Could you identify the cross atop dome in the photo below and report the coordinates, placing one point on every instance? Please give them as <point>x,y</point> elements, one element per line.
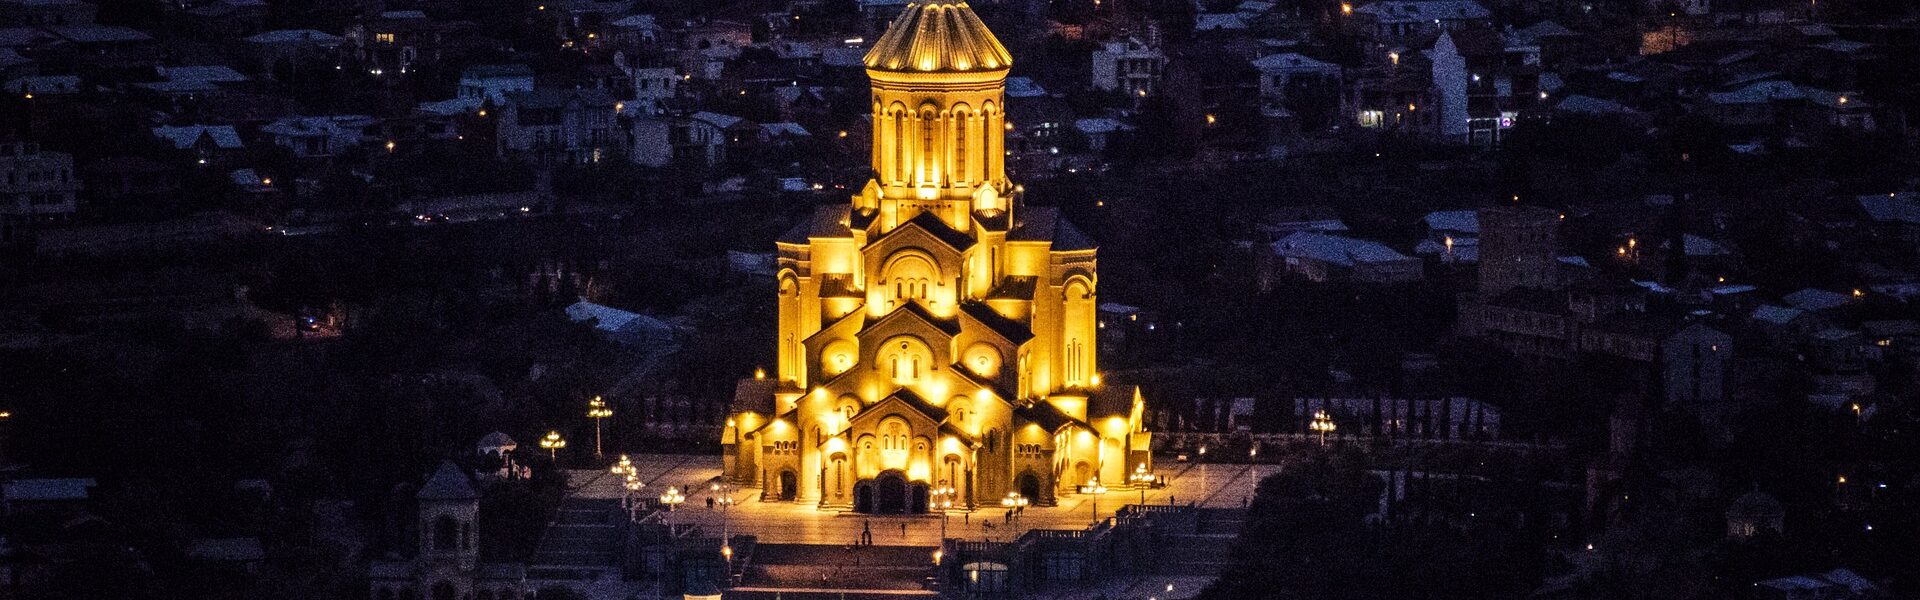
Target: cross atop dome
<point>938,36</point>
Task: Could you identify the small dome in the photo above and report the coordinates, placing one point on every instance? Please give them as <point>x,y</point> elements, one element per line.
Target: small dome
<point>938,36</point>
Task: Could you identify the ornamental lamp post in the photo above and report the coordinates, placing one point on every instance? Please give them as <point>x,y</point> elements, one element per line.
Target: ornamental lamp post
<point>1142,479</point>
<point>943,500</point>
<point>598,411</point>
<point>632,485</point>
<point>553,443</point>
<point>1096,490</point>
<point>1322,423</point>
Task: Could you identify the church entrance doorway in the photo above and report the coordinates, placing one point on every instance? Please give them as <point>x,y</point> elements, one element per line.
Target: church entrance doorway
<point>1029,486</point>
<point>789,486</point>
<point>890,493</point>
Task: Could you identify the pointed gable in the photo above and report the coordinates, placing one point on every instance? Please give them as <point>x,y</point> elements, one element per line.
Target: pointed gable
<point>448,484</point>
<point>902,402</point>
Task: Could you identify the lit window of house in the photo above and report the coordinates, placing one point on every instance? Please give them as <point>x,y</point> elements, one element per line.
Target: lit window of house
<point>384,38</point>
<point>1372,118</point>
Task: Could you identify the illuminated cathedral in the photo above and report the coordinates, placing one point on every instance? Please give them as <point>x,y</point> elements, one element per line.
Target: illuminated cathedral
<point>936,337</point>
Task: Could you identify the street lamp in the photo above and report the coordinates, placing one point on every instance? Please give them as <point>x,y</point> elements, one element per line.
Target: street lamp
<point>1143,480</point>
<point>623,468</point>
<point>632,485</point>
<point>1322,423</point>
<point>943,500</point>
<point>1015,502</point>
<point>672,498</point>
<point>598,411</point>
<point>553,443</point>
<point>1094,489</point>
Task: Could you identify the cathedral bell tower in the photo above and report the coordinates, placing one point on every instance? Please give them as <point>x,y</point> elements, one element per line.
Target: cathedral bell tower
<point>939,120</point>
<point>936,339</point>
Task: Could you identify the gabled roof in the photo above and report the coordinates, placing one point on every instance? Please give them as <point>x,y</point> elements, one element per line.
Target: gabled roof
<point>1013,331</point>
<point>717,120</point>
<point>556,98</point>
<point>827,221</point>
<point>446,484</point>
<point>1024,87</point>
<point>1903,208</point>
<point>1777,315</point>
<point>98,34</point>
<point>1759,93</point>
<point>933,225</point>
<point>754,395</point>
<point>1413,11</point>
<point>289,36</point>
<point>1291,62</point>
<point>1218,22</point>
<point>907,397</point>
<point>914,311</point>
<point>1046,416</point>
<point>1463,221</point>
<point>1044,223</point>
<point>1815,299</point>
<point>186,136</point>
<point>493,71</point>
<point>1590,105</point>
<point>1339,250</point>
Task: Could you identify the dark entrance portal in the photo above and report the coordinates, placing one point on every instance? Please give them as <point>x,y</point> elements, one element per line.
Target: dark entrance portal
<point>1029,486</point>
<point>890,493</point>
<point>789,486</point>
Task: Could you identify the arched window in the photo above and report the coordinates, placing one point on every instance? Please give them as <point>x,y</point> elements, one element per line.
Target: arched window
<point>960,174</point>
<point>899,146</point>
<point>927,125</point>
<point>906,359</point>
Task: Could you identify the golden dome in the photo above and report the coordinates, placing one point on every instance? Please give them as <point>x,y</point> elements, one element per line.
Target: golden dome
<point>938,36</point>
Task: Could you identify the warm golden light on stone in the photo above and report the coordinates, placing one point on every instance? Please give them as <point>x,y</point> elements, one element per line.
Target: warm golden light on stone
<point>934,331</point>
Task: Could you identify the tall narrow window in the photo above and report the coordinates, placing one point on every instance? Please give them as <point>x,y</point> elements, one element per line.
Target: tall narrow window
<point>926,146</point>
<point>960,174</point>
<point>899,146</point>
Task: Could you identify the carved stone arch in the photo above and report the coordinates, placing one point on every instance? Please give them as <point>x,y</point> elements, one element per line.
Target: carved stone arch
<point>838,356</point>
<point>848,405</point>
<point>906,359</point>
<point>910,274</point>
<point>1077,279</point>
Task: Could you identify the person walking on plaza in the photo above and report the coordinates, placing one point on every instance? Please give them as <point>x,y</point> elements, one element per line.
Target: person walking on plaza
<point>866,533</point>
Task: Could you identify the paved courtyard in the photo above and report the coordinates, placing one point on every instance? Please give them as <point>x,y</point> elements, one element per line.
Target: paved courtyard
<point>1215,485</point>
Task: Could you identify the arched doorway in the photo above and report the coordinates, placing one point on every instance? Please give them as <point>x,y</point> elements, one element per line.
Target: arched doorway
<point>890,493</point>
<point>1029,486</point>
<point>789,485</point>
<point>863,497</point>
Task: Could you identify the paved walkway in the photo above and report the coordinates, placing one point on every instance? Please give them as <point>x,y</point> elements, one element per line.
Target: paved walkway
<point>1215,485</point>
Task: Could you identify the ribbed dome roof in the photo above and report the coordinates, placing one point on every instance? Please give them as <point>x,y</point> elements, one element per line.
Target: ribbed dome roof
<point>938,36</point>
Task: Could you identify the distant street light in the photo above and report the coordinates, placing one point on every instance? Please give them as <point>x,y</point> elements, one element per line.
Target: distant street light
<point>1323,424</point>
<point>943,501</point>
<point>598,411</point>
<point>1014,502</point>
<point>672,498</point>
<point>1142,479</point>
<point>553,443</point>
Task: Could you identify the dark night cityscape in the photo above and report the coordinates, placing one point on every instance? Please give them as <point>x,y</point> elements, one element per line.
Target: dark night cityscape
<point>962,299</point>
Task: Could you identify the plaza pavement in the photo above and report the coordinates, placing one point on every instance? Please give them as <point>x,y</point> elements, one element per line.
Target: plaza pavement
<point>1212,484</point>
